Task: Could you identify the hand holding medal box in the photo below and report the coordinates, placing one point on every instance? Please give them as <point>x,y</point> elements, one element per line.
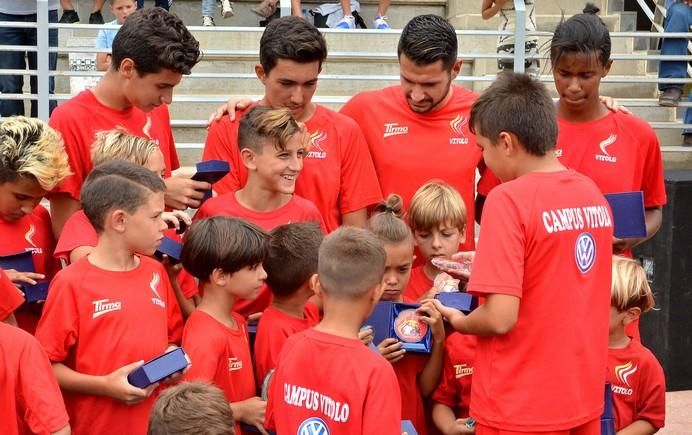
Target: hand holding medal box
<point>170,248</point>
<point>24,262</point>
<point>400,321</point>
<point>211,171</point>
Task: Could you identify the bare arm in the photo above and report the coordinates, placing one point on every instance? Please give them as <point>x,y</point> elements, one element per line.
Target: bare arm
<point>496,317</point>
<point>447,422</point>
<point>356,218</point>
<point>62,206</point>
<point>432,372</point>
<point>490,8</point>
<point>638,427</point>
<point>103,61</point>
<point>64,431</point>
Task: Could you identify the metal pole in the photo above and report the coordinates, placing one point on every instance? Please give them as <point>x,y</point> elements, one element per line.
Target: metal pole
<point>519,36</point>
<point>285,8</point>
<point>42,58</point>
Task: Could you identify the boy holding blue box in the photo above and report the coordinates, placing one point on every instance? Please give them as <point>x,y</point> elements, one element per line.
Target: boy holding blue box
<point>114,309</point>
<point>529,375</point>
<point>225,254</point>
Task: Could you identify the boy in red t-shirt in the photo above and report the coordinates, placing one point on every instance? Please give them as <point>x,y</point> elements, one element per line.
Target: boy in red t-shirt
<point>291,261</point>
<point>417,374</point>
<point>32,162</point>
<point>114,309</point>
<point>30,399</point>
<point>326,381</point>
<point>272,147</point>
<point>151,52</point>
<point>226,254</point>
<point>437,216</point>
<point>546,244</point>
<point>339,176</point>
<point>635,375</point>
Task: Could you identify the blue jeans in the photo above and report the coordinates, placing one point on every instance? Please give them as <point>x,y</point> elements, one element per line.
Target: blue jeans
<point>208,8</point>
<point>16,60</point>
<point>678,19</point>
<point>160,3</point>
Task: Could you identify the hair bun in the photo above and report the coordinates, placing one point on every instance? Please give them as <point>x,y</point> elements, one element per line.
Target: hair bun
<point>591,8</point>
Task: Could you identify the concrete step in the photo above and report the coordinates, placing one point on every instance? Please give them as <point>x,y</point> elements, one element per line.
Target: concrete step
<point>544,23</point>
<point>555,7</point>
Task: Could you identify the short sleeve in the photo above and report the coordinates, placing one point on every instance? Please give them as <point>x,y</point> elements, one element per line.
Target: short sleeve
<point>38,395</point>
<point>175,317</point>
<point>58,329</point>
<point>77,232</point>
<point>653,183</point>
<point>79,160</point>
<point>498,266</point>
<point>359,185</point>
<point>382,407</point>
<point>202,350</point>
<point>102,40</point>
<point>10,297</point>
<point>651,400</point>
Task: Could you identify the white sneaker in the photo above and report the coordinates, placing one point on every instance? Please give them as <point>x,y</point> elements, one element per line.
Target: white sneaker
<point>380,23</point>
<point>347,22</point>
<point>227,8</point>
<point>208,21</point>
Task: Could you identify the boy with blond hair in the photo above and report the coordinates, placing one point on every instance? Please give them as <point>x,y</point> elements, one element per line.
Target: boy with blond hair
<point>32,162</point>
<point>272,147</point>
<point>225,254</point>
<point>326,380</point>
<point>437,216</point>
<point>114,309</point>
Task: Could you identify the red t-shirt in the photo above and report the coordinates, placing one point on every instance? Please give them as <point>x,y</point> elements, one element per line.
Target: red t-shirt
<point>546,239</point>
<point>638,385</point>
<point>96,321</point>
<point>454,389</point>
<point>273,329</point>
<point>407,371</point>
<point>79,119</point>
<point>220,355</point>
<point>296,210</point>
<point>328,382</point>
<point>410,149</point>
<point>34,233</point>
<point>418,285</point>
<point>10,297</point>
<point>338,175</point>
<point>30,398</point>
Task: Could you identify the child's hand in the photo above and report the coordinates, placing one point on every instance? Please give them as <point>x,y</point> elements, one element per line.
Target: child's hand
<point>433,319</point>
<point>366,335</point>
<point>230,107</point>
<point>254,317</point>
<point>612,105</point>
<point>459,427</point>
<point>175,217</point>
<point>390,349</point>
<point>19,278</point>
<point>177,375</point>
<point>452,315</point>
<point>430,294</point>
<point>171,270</point>
<point>118,388</point>
<point>251,411</point>
<point>183,192</point>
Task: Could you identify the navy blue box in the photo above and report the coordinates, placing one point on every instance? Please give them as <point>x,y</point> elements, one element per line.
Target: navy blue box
<point>397,320</point>
<point>211,171</point>
<point>461,301</point>
<point>159,368</point>
<point>171,248</point>
<point>407,428</point>
<point>629,219</point>
<point>24,262</point>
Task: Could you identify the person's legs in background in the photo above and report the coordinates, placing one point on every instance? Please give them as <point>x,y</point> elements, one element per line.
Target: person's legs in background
<point>52,62</point>
<point>12,84</point>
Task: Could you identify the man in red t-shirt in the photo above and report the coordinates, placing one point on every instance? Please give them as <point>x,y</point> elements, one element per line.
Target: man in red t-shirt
<point>30,399</point>
<point>339,177</point>
<point>545,250</point>
<point>419,130</point>
<point>32,162</point>
<point>326,380</point>
<point>110,311</point>
<point>273,146</point>
<point>151,52</point>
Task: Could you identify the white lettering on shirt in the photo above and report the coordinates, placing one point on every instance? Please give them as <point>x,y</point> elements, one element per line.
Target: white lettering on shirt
<point>576,219</point>
<point>104,306</point>
<point>311,400</point>
<point>393,129</point>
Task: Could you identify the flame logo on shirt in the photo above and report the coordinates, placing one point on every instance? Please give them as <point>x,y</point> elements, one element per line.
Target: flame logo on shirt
<point>608,142</point>
<point>624,371</point>
<point>458,123</point>
<point>29,236</point>
<point>155,280</point>
<point>316,139</point>
<point>147,127</point>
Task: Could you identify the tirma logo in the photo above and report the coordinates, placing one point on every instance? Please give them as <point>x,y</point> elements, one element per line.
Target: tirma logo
<point>394,129</point>
<point>104,306</point>
<point>585,252</point>
<point>313,426</point>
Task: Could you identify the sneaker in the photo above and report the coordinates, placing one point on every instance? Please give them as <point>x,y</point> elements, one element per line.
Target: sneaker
<point>687,140</point>
<point>380,23</point>
<point>69,17</point>
<point>670,97</point>
<point>226,8</point>
<point>265,9</point>
<point>96,18</point>
<point>347,22</point>
<point>208,21</point>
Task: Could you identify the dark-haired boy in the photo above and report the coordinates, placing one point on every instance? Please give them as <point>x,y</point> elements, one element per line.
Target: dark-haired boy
<point>226,255</point>
<point>338,177</point>
<point>326,381</point>
<point>151,52</point>
<point>114,309</point>
<point>291,261</point>
<point>272,148</point>
<point>415,129</point>
<point>544,225</point>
